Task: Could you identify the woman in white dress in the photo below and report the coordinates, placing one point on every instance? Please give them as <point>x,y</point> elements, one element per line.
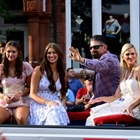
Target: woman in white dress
<point>46,108</point>
<point>127,95</point>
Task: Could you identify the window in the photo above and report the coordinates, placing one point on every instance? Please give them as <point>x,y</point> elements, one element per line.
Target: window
<point>81,27</point>
<point>116,24</point>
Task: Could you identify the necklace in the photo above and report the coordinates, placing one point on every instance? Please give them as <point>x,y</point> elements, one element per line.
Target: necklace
<point>126,90</point>
<point>129,76</point>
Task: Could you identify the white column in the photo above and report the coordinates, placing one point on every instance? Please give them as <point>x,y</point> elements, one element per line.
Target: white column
<point>68,30</point>
<point>96,17</point>
<point>135,24</point>
<point>44,5</point>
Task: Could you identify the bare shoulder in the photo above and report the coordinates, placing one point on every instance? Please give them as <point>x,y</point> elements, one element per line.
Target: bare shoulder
<point>137,71</point>
<point>137,68</point>
<point>1,65</point>
<point>37,70</point>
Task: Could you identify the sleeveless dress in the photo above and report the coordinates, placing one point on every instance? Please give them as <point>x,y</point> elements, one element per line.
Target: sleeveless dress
<point>12,85</point>
<point>41,114</point>
<point>130,90</point>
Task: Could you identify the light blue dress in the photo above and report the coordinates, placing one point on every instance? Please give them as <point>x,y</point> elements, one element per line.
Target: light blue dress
<point>41,114</point>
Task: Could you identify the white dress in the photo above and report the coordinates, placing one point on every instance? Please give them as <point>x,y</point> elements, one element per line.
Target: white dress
<point>130,90</point>
<point>41,114</point>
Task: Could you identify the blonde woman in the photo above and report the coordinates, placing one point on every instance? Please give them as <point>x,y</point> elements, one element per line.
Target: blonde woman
<point>127,95</point>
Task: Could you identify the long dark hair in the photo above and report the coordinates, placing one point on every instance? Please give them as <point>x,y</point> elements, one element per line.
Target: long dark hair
<point>45,66</point>
<point>19,60</point>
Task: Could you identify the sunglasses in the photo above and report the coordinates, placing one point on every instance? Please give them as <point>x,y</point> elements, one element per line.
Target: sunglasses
<point>95,47</point>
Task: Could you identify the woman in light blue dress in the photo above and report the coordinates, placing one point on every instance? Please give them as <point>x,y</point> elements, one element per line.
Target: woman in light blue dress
<point>46,108</point>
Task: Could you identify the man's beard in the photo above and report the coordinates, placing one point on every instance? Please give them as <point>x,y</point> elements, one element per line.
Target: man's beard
<point>96,56</point>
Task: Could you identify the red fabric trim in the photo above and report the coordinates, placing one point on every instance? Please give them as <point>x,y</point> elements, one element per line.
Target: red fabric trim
<point>119,118</point>
<point>82,115</point>
<point>103,139</point>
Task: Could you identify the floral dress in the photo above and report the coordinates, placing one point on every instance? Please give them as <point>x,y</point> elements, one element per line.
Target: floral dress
<point>12,85</point>
<point>41,114</point>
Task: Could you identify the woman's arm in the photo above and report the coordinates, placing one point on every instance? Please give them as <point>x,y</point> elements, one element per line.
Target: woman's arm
<point>28,70</point>
<point>26,91</point>
<point>136,102</point>
<point>35,79</point>
<point>63,100</point>
<point>36,76</point>
<point>108,99</point>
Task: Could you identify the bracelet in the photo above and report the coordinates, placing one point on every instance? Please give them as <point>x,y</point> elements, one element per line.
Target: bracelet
<point>21,92</point>
<point>45,102</point>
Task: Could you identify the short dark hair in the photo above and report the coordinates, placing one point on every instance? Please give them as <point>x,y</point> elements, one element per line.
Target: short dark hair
<point>99,38</point>
<point>69,69</point>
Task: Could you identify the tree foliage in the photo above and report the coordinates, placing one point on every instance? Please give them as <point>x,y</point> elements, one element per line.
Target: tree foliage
<point>4,7</point>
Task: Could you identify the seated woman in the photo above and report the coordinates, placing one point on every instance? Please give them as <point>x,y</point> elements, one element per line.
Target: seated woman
<point>48,79</point>
<point>14,75</point>
<point>127,93</point>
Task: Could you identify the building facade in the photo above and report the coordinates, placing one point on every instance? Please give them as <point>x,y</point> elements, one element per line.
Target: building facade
<point>69,23</point>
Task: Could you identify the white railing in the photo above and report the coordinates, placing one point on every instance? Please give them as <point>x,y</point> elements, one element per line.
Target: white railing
<point>70,133</point>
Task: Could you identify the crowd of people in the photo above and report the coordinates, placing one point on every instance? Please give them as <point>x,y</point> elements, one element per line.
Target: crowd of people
<point>44,94</point>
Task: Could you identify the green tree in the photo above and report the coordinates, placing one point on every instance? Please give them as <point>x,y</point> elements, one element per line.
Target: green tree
<point>4,7</point>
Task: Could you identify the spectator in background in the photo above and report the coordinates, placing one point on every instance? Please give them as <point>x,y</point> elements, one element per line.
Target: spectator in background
<point>84,94</point>
<point>83,73</point>
<point>2,46</point>
<point>73,83</point>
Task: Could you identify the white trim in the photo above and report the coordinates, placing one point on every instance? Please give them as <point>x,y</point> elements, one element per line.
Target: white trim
<point>134,24</point>
<point>96,17</point>
<point>44,5</point>
<point>68,31</point>
<point>45,132</point>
